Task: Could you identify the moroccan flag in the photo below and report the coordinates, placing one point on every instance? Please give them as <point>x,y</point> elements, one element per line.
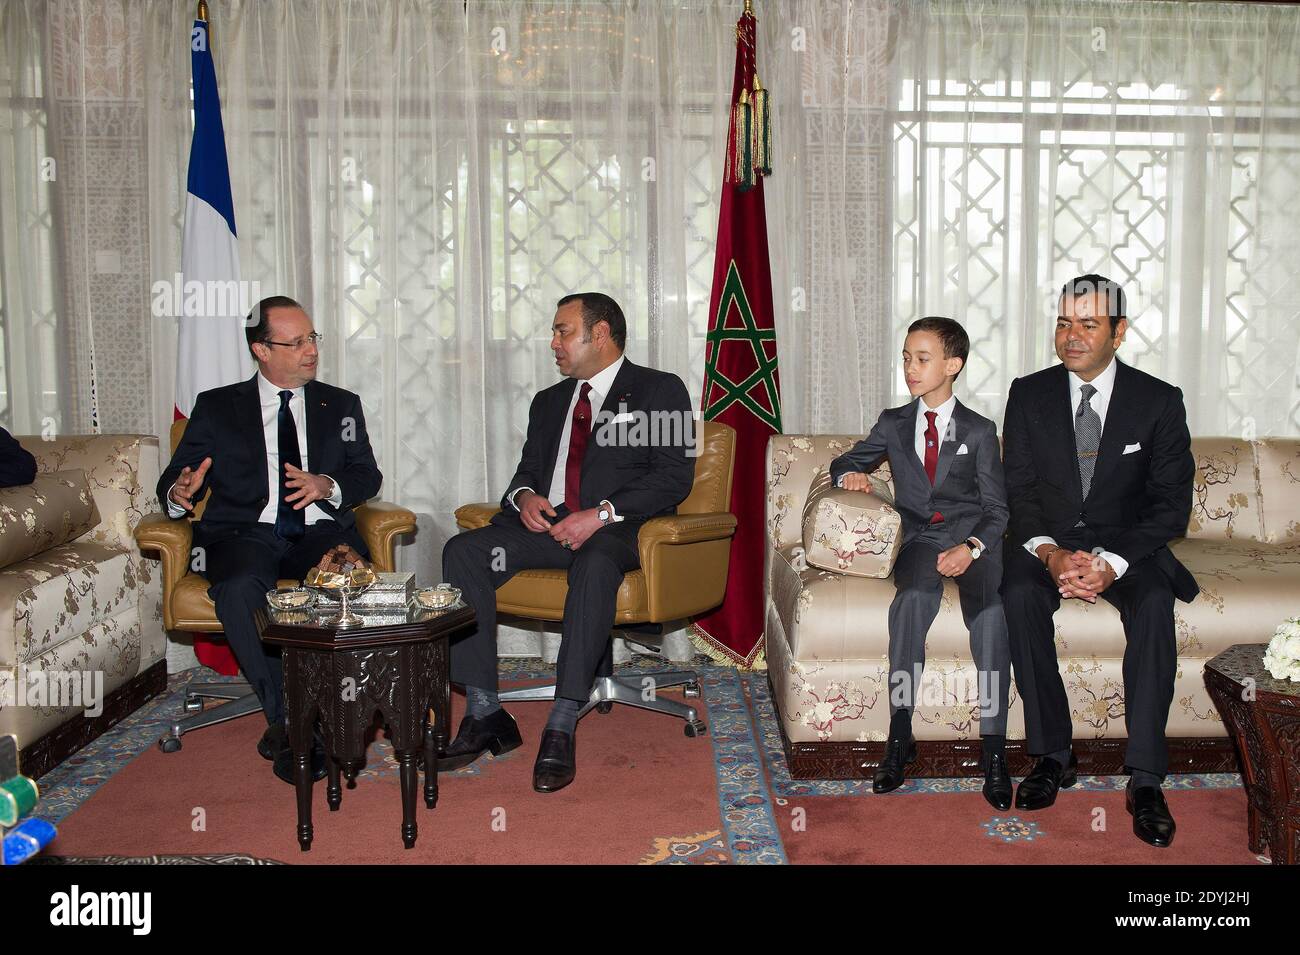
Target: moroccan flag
<point>210,346</point>
<point>741,387</point>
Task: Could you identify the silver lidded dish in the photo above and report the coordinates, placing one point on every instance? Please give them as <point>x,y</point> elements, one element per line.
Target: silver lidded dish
<point>290,599</point>
<point>340,587</point>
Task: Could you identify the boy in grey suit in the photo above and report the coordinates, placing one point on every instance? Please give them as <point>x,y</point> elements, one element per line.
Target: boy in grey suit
<point>949,491</point>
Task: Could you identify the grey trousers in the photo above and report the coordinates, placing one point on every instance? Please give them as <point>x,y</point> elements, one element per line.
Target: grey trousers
<point>919,587</point>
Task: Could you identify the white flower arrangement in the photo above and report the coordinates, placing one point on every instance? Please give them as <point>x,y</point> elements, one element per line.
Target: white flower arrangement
<point>1282,656</point>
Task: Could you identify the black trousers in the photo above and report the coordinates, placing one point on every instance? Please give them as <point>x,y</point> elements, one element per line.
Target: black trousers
<point>480,561</point>
<point>1145,601</point>
<point>242,565</point>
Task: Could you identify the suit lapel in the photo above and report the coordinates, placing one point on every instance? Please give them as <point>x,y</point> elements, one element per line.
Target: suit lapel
<point>907,438</point>
<point>949,443</point>
<point>621,388</point>
<point>561,424</point>
<point>1114,431</point>
<point>316,407</point>
<point>248,415</point>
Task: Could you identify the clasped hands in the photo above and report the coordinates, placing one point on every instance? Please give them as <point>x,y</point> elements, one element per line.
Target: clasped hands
<point>571,532</point>
<point>1077,573</point>
<point>307,488</point>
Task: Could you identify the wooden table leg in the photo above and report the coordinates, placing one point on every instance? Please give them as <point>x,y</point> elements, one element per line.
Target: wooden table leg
<point>302,783</point>
<point>410,782</point>
<point>430,767</point>
<point>333,791</point>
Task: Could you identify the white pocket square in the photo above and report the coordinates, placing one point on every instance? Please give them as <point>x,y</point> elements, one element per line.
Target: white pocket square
<point>1130,448</point>
<point>962,450</point>
<point>619,418</point>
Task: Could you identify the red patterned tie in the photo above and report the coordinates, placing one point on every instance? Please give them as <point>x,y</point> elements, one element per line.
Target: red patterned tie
<point>579,432</point>
<point>932,454</point>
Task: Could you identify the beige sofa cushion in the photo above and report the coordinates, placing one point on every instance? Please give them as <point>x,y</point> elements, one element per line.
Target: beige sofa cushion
<point>852,532</point>
<point>54,509</point>
<point>1225,493</point>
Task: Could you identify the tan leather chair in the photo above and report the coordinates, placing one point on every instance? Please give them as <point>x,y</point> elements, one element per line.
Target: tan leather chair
<point>683,574</point>
<point>186,605</point>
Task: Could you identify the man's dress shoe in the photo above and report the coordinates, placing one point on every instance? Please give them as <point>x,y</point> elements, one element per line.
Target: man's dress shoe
<point>496,733</point>
<point>556,764</point>
<point>272,741</point>
<point>997,783</point>
<point>898,754</point>
<point>1038,789</point>
<point>283,762</point>
<point>1152,821</point>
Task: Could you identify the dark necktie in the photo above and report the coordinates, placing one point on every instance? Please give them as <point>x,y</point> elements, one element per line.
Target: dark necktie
<point>289,524</point>
<point>932,454</point>
<point>1087,437</point>
<point>579,432</point>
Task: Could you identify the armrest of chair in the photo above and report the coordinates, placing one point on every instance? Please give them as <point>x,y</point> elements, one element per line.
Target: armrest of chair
<point>379,523</point>
<point>685,558</point>
<point>470,517</point>
<point>171,539</point>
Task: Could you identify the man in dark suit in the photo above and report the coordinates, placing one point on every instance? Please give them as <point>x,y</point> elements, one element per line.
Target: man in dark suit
<point>576,501</point>
<point>947,472</point>
<point>1099,476</point>
<point>282,460</point>
<point>17,465</point>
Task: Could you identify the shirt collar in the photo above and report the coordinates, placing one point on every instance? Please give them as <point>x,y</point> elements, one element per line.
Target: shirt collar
<point>603,381</point>
<point>944,410</point>
<point>269,392</point>
<point>1104,383</point>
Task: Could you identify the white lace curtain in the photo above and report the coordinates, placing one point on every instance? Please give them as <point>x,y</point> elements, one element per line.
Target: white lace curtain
<point>429,177</point>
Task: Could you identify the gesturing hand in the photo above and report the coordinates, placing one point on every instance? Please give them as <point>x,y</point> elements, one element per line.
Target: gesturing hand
<point>308,488</point>
<point>533,510</point>
<point>188,484</point>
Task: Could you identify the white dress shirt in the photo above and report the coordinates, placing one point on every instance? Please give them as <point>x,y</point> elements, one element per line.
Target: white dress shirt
<point>269,396</point>
<point>942,420</point>
<point>601,383</point>
<point>1105,385</point>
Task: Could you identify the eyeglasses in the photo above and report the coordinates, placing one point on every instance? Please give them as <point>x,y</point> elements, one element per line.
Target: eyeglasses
<point>298,343</point>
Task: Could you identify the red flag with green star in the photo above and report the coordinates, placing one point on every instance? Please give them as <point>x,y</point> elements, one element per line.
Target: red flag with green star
<point>741,387</point>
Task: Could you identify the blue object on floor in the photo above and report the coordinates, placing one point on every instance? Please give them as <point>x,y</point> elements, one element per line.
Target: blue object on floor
<point>25,840</point>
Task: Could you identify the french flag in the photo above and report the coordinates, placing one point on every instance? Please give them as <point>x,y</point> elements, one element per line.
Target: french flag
<point>211,349</point>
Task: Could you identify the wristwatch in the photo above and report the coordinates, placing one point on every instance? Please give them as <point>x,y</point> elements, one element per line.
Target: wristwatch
<point>973,546</point>
<point>604,515</point>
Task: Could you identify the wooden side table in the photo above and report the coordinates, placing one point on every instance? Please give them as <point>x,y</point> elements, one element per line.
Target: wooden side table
<point>396,663</point>
<point>1263,715</point>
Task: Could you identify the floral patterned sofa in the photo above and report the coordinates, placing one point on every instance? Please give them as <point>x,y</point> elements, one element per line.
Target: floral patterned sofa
<point>92,604</point>
<point>827,639</point>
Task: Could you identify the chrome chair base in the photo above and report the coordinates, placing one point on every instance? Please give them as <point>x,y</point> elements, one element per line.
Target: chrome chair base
<point>242,701</point>
<point>639,690</point>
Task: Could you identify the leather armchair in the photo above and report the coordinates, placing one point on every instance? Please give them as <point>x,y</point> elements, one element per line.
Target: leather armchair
<point>186,605</point>
<point>683,573</point>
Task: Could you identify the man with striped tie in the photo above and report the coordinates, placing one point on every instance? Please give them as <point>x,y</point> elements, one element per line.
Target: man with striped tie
<point>1099,474</point>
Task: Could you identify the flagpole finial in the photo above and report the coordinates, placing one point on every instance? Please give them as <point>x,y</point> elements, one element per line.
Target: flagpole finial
<point>203,11</point>
<point>749,8</point>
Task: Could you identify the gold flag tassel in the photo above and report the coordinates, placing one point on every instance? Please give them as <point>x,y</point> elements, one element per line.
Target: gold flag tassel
<point>762,131</point>
<point>743,121</point>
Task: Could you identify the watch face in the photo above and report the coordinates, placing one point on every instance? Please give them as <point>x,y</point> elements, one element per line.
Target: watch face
<point>603,514</point>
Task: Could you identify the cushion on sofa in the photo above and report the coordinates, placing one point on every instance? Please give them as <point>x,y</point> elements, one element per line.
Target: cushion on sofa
<point>54,509</point>
<point>851,532</point>
<point>1279,487</point>
<point>1225,493</point>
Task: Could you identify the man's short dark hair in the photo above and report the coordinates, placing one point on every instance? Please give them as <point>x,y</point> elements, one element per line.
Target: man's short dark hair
<point>956,343</point>
<point>256,327</point>
<point>599,307</point>
<point>1112,293</point>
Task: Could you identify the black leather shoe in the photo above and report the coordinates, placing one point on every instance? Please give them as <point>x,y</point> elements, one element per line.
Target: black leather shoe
<point>496,733</point>
<point>1038,789</point>
<point>284,760</point>
<point>556,765</point>
<point>1152,821</point>
<point>898,754</point>
<point>272,741</point>
<point>997,783</point>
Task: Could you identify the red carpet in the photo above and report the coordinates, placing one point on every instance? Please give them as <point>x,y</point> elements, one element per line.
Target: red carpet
<point>639,780</point>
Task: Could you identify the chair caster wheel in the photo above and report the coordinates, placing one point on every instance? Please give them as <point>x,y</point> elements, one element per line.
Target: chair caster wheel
<point>193,704</point>
<point>169,744</point>
<point>696,728</point>
<point>605,706</point>
<point>691,689</point>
